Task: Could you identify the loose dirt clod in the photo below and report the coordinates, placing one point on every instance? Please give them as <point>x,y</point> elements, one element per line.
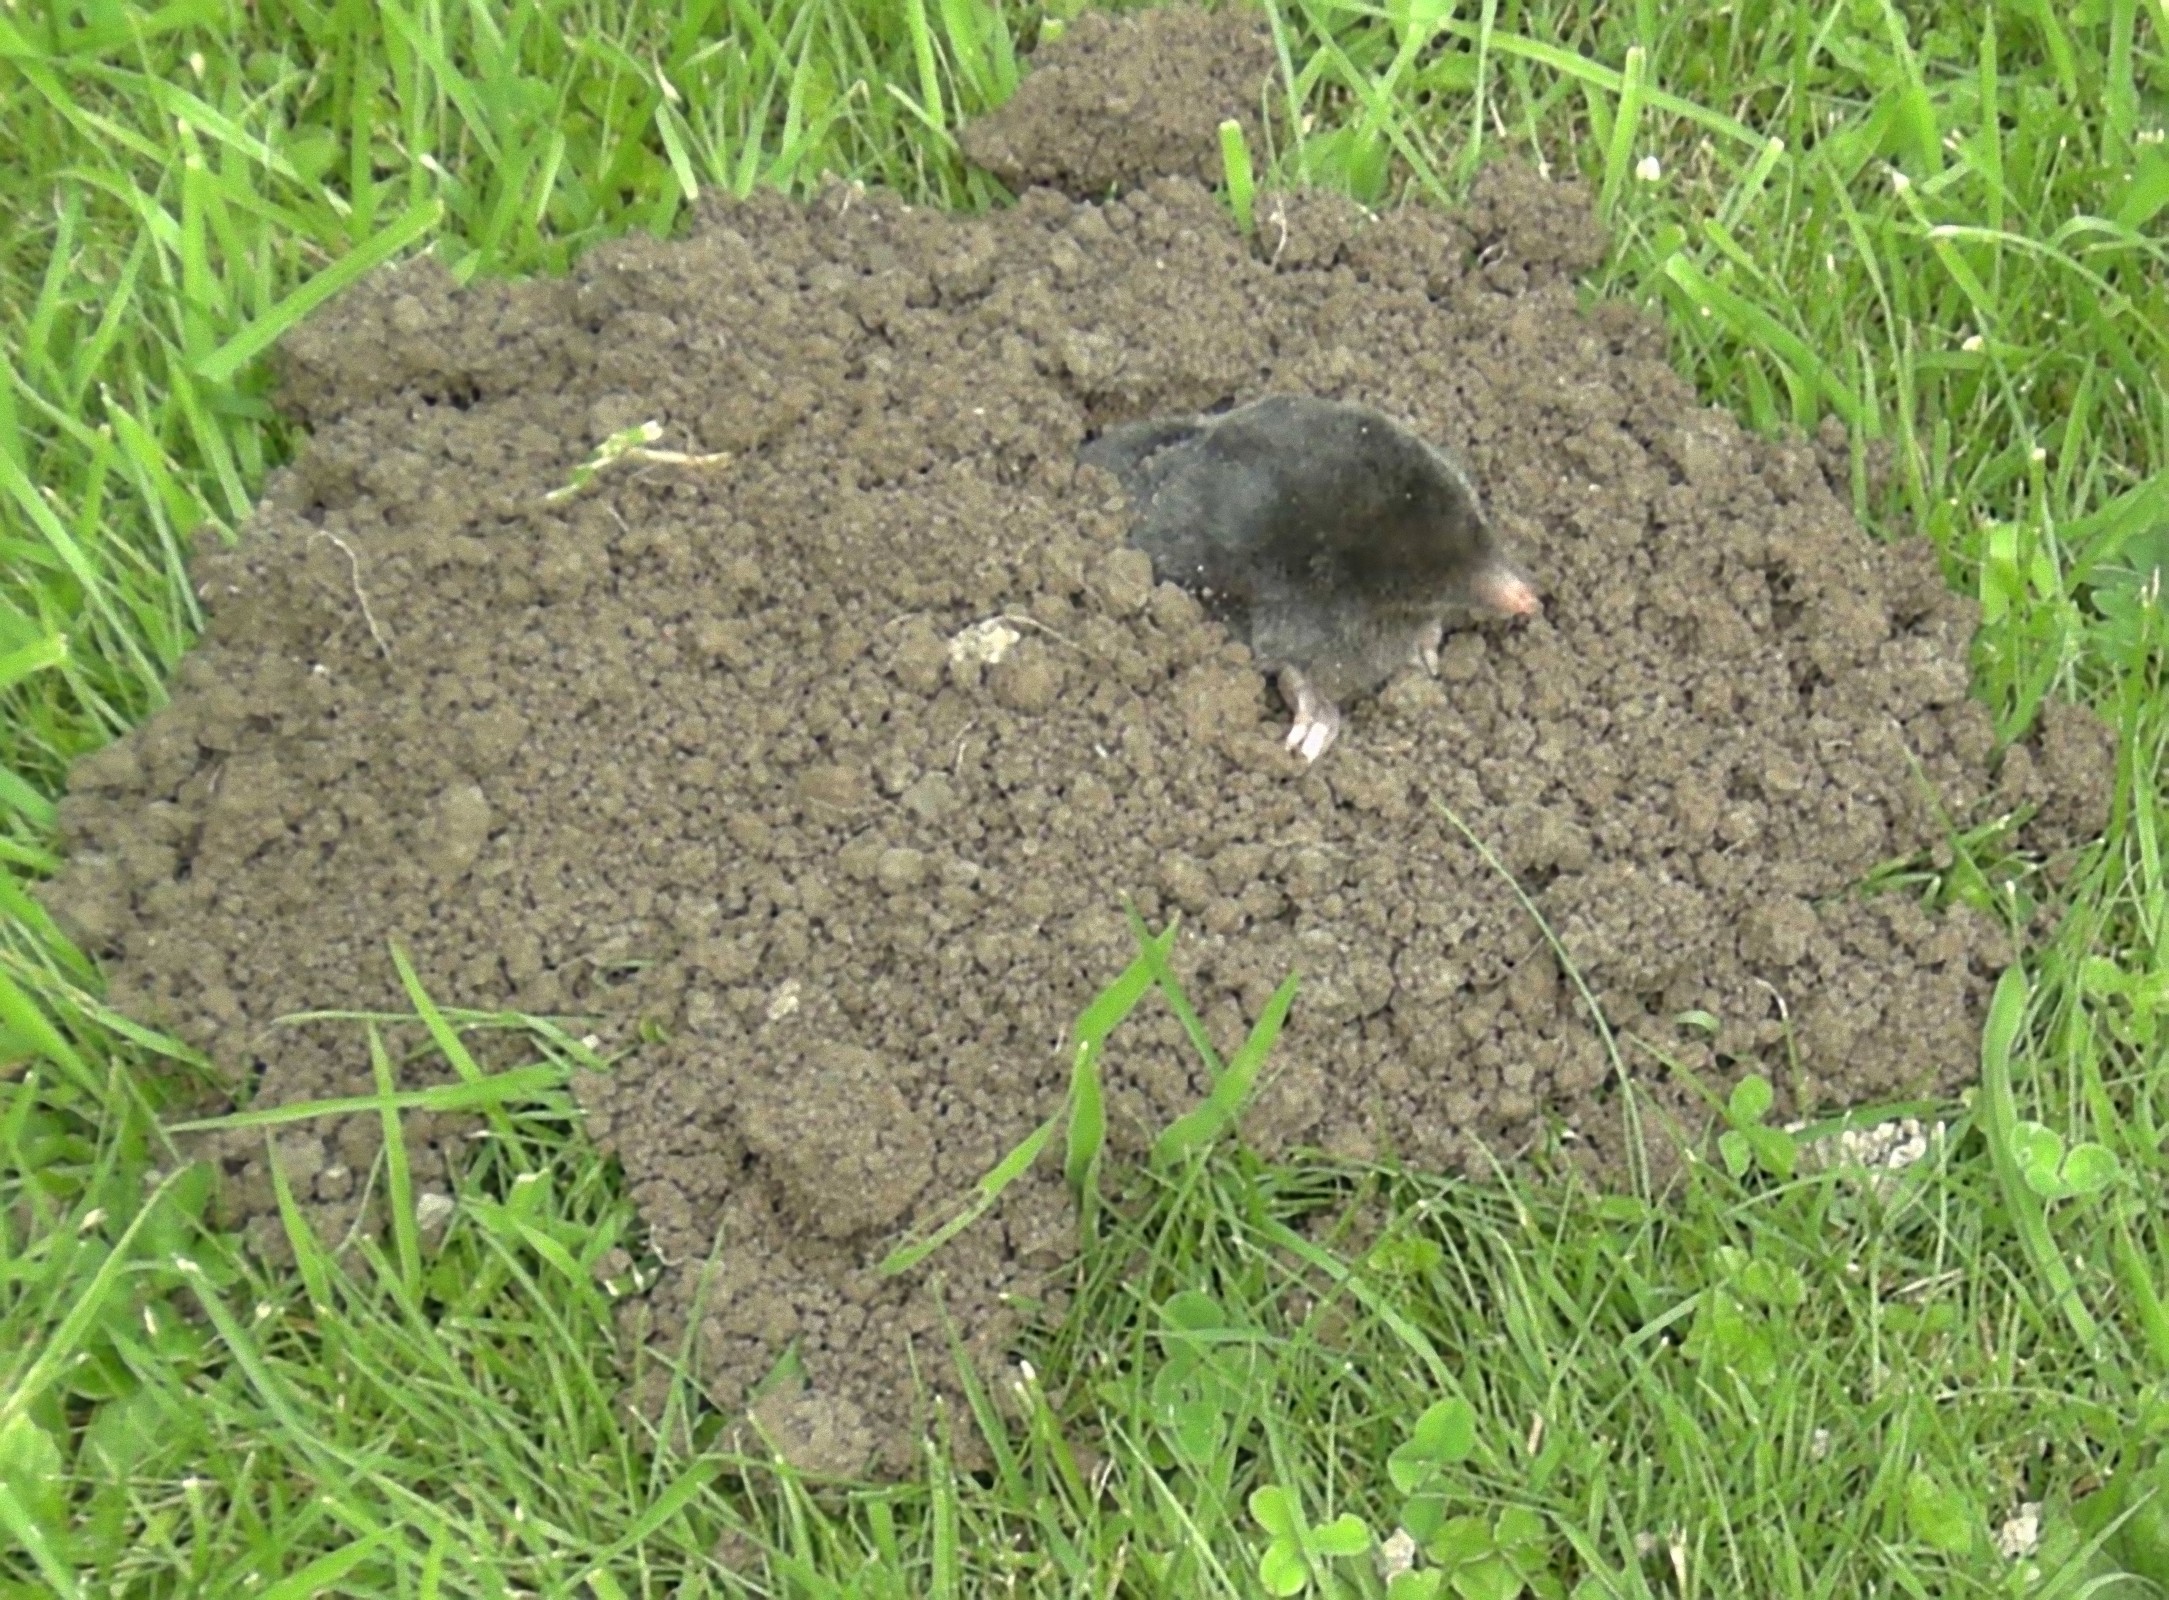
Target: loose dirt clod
<point>692,747</point>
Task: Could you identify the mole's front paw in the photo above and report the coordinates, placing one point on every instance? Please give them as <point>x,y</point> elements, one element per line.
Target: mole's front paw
<point>1427,643</point>
<point>1317,719</point>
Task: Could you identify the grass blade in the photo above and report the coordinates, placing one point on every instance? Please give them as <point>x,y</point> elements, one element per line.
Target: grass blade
<point>929,104</point>
<point>398,1180</point>
<point>682,1492</point>
<point>1087,1123</point>
<point>1755,325</point>
<point>26,1020</point>
<point>1626,126</point>
<point>309,1258</point>
<point>496,1090</point>
<point>16,665</point>
<point>225,363</point>
<point>1219,1110</point>
<point>89,1306</point>
<point>2006,1013</point>
<point>1242,179</point>
<point>28,1532</point>
<point>326,1570</point>
<point>1087,1108</point>
<point>988,1190</point>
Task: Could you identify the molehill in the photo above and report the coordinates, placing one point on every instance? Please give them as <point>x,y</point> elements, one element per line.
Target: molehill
<point>692,747</point>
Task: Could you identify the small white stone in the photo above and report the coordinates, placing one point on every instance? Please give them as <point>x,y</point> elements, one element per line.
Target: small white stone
<point>432,1208</point>
<point>985,642</point>
<point>1907,1150</point>
<point>2020,1535</point>
<point>784,1001</point>
<point>1396,1554</point>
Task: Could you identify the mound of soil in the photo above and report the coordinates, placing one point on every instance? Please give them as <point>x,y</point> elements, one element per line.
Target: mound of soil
<point>709,750</point>
<point>1117,101</point>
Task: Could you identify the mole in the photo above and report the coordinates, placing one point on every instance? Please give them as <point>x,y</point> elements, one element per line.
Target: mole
<point>1330,539</point>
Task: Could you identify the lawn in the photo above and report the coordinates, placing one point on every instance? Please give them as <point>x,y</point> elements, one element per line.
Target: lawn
<point>1941,224</point>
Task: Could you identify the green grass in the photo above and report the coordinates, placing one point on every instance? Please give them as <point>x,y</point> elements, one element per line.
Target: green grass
<point>1770,1383</point>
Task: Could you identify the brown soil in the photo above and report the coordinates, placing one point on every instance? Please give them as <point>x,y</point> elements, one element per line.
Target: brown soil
<point>1119,101</point>
<point>690,746</point>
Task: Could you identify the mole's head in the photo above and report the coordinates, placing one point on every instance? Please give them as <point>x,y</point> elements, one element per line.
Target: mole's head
<point>1478,573</point>
<point>1464,548</point>
<point>1500,587</point>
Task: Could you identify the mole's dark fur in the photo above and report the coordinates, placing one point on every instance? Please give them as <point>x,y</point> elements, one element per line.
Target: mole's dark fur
<point>1328,537</point>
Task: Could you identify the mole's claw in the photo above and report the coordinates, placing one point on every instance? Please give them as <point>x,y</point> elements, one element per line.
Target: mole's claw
<point>1311,737</point>
<point>1427,643</point>
<point>1317,719</point>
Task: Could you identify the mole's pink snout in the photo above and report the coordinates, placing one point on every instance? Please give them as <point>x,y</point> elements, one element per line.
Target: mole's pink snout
<point>1507,591</point>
